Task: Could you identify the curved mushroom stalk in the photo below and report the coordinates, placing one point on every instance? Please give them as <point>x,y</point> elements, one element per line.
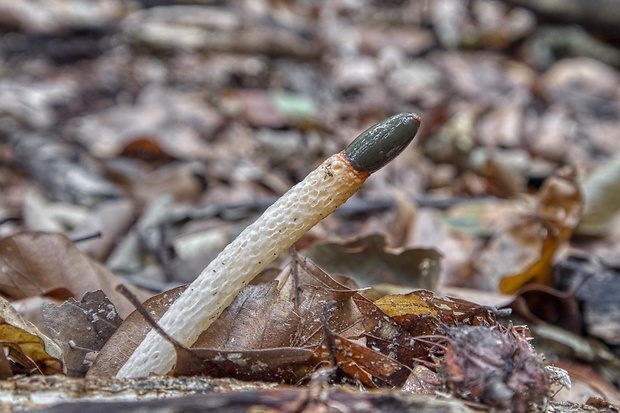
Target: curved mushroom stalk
<point>280,226</point>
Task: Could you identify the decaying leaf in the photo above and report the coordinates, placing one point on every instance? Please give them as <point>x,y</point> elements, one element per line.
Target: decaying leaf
<point>81,328</point>
<point>410,309</point>
<point>290,315</point>
<point>25,346</point>
<point>275,364</point>
<point>37,263</point>
<point>365,365</point>
<point>368,261</point>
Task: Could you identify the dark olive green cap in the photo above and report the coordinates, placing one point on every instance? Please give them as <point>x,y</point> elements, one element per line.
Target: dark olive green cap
<point>381,143</point>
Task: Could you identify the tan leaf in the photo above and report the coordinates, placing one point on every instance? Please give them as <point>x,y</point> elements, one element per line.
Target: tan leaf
<point>27,341</point>
<point>269,316</point>
<point>36,263</point>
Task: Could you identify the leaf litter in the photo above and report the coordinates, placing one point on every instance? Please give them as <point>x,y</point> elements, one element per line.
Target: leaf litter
<point>506,99</point>
<point>284,330</point>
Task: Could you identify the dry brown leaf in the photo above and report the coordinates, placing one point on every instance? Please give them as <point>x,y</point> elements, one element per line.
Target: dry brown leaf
<point>386,336</point>
<point>36,263</point>
<point>286,313</point>
<point>274,364</point>
<point>81,328</point>
<point>369,367</point>
<point>28,346</point>
<point>267,316</point>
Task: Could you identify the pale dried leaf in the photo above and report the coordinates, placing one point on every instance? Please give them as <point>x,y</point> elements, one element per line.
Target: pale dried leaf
<point>80,328</point>
<point>35,345</point>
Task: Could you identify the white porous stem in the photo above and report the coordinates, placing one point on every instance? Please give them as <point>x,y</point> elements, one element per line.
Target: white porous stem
<point>304,205</point>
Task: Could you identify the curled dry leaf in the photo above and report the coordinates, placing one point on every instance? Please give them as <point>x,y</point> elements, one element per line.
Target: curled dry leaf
<point>25,346</point>
<point>36,263</point>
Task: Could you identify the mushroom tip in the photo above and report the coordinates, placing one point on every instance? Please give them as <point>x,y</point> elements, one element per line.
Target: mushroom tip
<point>381,143</point>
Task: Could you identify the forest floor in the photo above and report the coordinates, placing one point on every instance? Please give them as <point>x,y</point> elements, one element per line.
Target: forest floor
<point>137,139</point>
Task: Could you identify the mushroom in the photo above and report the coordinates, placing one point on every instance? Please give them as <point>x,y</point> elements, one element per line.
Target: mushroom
<point>280,226</point>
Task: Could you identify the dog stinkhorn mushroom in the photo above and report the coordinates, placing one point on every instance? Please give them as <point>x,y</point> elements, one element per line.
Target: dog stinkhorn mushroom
<point>290,217</point>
